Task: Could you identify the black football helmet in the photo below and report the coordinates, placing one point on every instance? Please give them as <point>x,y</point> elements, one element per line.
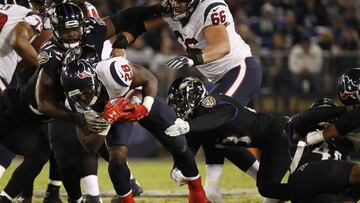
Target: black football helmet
<point>324,102</point>
<point>66,17</point>
<point>79,77</point>
<point>349,86</point>
<point>185,94</point>
<point>179,9</point>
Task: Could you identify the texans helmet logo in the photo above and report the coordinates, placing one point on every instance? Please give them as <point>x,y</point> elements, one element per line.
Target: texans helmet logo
<point>86,73</point>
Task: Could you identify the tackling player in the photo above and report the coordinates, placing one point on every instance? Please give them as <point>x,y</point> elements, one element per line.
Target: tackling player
<point>103,91</point>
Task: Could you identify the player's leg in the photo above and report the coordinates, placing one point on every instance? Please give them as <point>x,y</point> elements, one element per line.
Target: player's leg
<point>241,83</point>
<point>274,163</point>
<point>6,156</point>
<point>119,172</point>
<point>52,194</point>
<point>159,119</point>
<point>66,148</point>
<point>320,177</point>
<point>88,165</point>
<point>36,151</point>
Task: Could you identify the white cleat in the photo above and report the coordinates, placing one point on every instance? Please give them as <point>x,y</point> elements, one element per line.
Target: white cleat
<point>214,195</point>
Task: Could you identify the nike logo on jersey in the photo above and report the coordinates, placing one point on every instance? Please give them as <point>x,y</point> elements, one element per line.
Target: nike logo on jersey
<point>115,75</point>
<point>215,9</point>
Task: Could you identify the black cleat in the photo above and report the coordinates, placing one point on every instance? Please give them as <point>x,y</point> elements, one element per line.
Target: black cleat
<point>92,199</point>
<point>52,194</point>
<point>136,187</point>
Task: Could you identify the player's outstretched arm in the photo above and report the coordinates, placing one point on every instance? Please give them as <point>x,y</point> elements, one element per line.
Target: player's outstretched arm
<point>131,17</point>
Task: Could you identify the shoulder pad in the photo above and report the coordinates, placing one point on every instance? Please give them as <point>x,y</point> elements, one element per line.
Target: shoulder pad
<point>96,20</point>
<point>34,21</point>
<point>208,102</point>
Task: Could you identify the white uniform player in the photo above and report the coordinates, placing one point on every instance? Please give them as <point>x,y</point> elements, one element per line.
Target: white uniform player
<point>10,16</point>
<point>206,30</point>
<point>191,37</point>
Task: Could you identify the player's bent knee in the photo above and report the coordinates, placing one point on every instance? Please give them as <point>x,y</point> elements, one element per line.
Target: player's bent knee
<point>118,154</point>
<point>355,175</point>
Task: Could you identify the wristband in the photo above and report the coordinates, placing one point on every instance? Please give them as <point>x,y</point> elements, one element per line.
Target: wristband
<point>148,102</point>
<point>120,43</point>
<point>197,58</point>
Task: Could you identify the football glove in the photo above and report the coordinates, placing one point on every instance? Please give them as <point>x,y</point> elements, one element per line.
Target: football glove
<point>114,110</point>
<point>180,62</point>
<point>134,112</point>
<point>180,127</point>
<point>95,123</point>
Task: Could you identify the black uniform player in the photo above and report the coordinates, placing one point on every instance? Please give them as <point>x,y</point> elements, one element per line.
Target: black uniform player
<point>70,29</point>
<point>91,90</point>
<point>224,119</point>
<point>319,172</point>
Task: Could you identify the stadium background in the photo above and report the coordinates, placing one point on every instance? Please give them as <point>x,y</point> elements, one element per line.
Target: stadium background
<point>273,29</point>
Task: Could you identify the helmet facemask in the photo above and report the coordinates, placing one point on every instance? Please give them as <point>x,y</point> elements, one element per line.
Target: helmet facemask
<point>180,9</point>
<point>68,25</point>
<point>186,96</point>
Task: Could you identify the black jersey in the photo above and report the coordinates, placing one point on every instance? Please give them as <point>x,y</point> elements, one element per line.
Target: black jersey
<point>52,54</point>
<point>227,116</point>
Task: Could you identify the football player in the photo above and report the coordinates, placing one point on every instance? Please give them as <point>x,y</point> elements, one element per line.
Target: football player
<point>224,119</point>
<point>233,124</point>
<point>320,172</point>
<point>102,92</point>
<point>206,31</point>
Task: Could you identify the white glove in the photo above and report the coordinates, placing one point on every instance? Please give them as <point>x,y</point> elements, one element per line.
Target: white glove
<point>96,123</point>
<point>179,128</point>
<point>180,62</point>
<point>178,177</point>
<point>314,137</point>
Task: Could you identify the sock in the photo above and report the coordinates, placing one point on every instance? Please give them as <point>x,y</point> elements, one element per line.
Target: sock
<point>4,194</point>
<point>55,182</point>
<point>127,198</point>
<point>269,200</point>
<point>213,175</point>
<point>91,185</point>
<point>120,177</point>
<point>252,171</point>
<point>2,170</point>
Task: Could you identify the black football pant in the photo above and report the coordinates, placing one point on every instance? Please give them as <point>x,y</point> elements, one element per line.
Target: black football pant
<point>29,141</point>
<point>320,177</point>
<point>73,161</point>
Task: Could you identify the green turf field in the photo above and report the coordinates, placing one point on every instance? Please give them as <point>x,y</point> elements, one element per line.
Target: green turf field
<point>153,175</point>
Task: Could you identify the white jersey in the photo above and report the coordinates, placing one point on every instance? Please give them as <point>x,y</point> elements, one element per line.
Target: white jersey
<point>10,16</point>
<point>207,13</point>
<point>116,76</point>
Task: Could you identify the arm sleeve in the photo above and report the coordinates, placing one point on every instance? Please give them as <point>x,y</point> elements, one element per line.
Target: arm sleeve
<point>134,15</point>
<point>348,122</point>
<point>212,119</point>
<point>302,122</point>
<point>216,14</point>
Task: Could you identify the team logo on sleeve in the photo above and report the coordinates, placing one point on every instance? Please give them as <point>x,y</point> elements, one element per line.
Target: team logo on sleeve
<point>208,102</point>
<point>43,57</point>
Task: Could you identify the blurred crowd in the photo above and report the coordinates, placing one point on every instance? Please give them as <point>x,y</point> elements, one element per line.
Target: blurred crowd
<point>302,45</point>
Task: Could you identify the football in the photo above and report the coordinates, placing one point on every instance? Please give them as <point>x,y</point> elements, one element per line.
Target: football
<point>135,96</point>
